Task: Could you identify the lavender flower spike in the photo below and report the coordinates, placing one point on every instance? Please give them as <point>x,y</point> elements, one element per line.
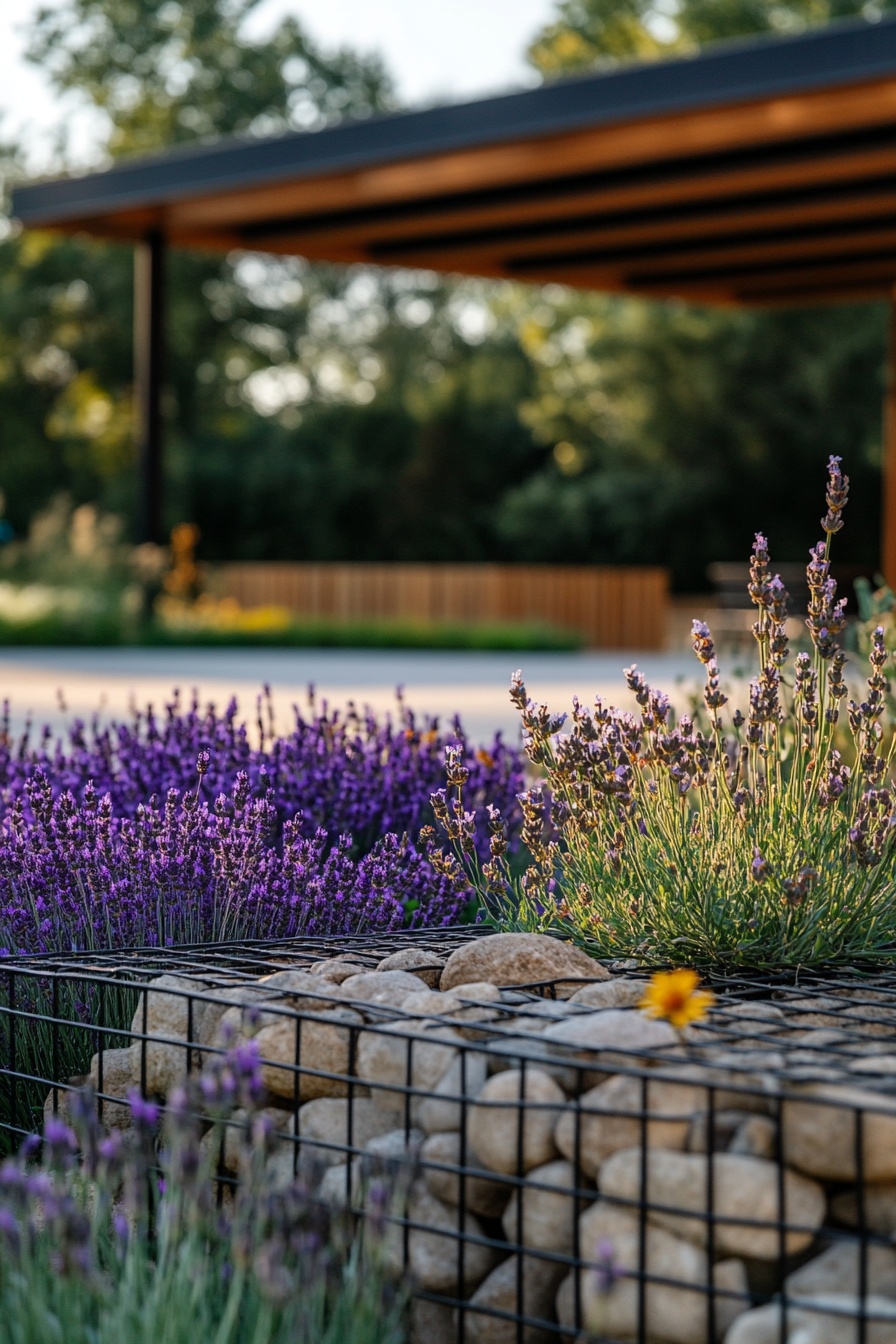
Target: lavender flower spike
<point>836,497</point>
<point>704,647</point>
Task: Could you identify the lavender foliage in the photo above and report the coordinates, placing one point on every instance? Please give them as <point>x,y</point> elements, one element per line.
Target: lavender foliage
<point>182,829</point>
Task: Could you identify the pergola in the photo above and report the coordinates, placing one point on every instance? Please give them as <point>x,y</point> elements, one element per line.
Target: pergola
<point>754,174</point>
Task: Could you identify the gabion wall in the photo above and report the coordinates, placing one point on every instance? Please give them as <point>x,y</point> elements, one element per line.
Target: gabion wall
<point>578,1168</point>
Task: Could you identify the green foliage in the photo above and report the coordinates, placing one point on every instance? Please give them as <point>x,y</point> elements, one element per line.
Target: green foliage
<point>749,841</point>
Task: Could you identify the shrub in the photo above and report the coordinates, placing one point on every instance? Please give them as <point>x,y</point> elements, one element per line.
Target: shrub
<point>757,839</point>
<point>106,1241</point>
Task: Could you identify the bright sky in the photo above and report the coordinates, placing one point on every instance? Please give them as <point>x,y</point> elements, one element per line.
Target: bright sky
<point>437,50</point>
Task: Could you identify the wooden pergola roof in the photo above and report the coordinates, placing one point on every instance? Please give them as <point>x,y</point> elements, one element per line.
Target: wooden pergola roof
<point>756,173</point>
<point>760,172</point>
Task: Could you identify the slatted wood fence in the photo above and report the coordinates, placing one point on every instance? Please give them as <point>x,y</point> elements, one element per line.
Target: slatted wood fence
<point>614,607</point>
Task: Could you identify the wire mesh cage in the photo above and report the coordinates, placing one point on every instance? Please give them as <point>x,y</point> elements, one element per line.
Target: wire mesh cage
<point>569,1167</point>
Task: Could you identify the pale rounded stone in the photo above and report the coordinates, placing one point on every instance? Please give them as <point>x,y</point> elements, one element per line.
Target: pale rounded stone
<point>430,1323</point>
<point>326,1119</point>
<point>513,1052</point>
<point>386,987</point>
<point>838,1270</point>
<point>167,1014</point>
<point>534,1281</point>
<point>324,1044</point>
<point>226,1008</point>
<point>116,1082</point>
<point>231,1145</point>
<point>725,1124</point>
<point>481,1194</point>
<point>622,992</point>
<point>405,1054</point>
<point>831,1318</point>
<point>337,969</point>
<point>519,959</point>
<point>878,1208</point>
<point>292,981</point>
<point>462,1080</point>
<point>610,1118</point>
<point>430,1003</point>
<point>512,1121</point>
<point>821,1140</point>
<point>542,1214</point>
<point>672,1314</point>
<point>609,1039</point>
<point>755,1136</point>
<point>432,1253</point>
<point>743,1188</point>
<point>424,965</point>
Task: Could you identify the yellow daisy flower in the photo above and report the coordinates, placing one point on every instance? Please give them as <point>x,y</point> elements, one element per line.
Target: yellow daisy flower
<point>674,995</point>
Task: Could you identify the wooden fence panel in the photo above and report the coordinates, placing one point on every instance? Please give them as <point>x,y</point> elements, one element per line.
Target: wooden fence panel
<point>614,607</point>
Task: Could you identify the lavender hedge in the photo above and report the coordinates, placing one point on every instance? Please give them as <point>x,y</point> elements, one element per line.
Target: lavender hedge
<point>184,827</point>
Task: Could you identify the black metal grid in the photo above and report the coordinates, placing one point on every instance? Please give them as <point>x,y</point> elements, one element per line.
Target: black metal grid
<point>82,1004</point>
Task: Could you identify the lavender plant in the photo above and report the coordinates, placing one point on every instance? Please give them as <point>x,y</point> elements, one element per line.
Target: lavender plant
<point>725,839</point>
<point>111,1237</point>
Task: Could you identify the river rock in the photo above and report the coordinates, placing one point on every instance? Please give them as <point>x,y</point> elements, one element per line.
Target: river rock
<point>504,1132</point>
<point>610,1118</point>
<point>433,1253</point>
<point>403,1054</point>
<point>673,1314</point>
<point>542,1214</point>
<point>755,1136</point>
<point>519,959</point>
<point>821,1140</point>
<point>615,1034</point>
<point>424,965</point>
<point>387,987</point>
<point>324,1045</point>
<point>430,1323</point>
<point>168,1014</point>
<point>326,1119</point>
<point>482,1194</point>
<point>231,1144</point>
<point>744,1188</point>
<point>225,1007</point>
<point>878,1208</point>
<point>296,982</point>
<point>116,1082</point>
<point>621,992</point>
<point>838,1270</point>
<point>337,969</point>
<point>463,1079</point>
<point>537,1279</point>
<point>831,1318</point>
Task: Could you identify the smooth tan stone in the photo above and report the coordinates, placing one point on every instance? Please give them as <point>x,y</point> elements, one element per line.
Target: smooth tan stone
<point>116,1083</point>
<point>167,1015</point>
<point>607,1040</point>
<point>542,1213</point>
<point>513,1120</point>
<point>225,1003</point>
<point>830,1319</point>
<point>838,1270</point>
<point>430,1323</point>
<point>425,965</point>
<point>293,981</point>
<point>620,992</point>
<point>387,987</point>
<point>231,1145</point>
<point>539,1281</point>
<point>519,959</point>
<point>462,1080</point>
<point>821,1140</point>
<point>744,1188</point>
<point>432,1254</point>
<point>673,1314</point>
<point>878,1208</point>
<point>755,1136</point>
<point>324,1044</point>
<point>326,1119</point>
<point>481,1194</point>
<point>337,969</point>
<point>610,1118</point>
<point>402,1054</point>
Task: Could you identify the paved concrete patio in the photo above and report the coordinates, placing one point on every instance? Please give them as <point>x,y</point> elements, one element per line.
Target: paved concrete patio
<point>474,685</point>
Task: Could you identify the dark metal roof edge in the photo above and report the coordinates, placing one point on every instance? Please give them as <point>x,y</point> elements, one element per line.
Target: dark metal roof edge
<point>728,73</point>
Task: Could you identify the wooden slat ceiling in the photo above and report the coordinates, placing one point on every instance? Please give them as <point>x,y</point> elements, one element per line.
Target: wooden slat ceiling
<point>759,173</point>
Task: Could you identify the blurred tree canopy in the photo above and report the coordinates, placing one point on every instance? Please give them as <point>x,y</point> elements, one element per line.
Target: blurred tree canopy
<point>325,412</point>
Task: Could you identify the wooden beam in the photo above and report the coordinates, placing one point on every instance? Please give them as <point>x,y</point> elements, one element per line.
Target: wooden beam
<point>149,358</point>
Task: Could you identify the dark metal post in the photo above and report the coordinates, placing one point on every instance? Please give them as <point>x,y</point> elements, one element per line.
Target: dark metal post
<point>888,483</point>
<point>149,354</point>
